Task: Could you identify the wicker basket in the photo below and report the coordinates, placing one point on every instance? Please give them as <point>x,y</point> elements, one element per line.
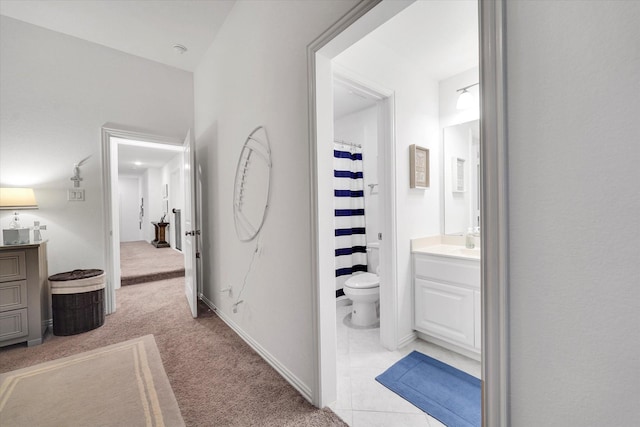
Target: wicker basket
<point>77,300</point>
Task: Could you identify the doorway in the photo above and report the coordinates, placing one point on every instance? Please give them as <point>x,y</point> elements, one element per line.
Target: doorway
<point>140,173</point>
<point>321,53</point>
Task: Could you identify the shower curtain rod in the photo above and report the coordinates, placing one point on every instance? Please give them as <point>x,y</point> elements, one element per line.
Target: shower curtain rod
<point>339,141</point>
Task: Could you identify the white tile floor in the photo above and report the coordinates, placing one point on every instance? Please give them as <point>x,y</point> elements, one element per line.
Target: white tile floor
<point>362,401</point>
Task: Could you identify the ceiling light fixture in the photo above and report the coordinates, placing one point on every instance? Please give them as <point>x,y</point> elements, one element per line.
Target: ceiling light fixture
<point>466,99</point>
<point>180,48</point>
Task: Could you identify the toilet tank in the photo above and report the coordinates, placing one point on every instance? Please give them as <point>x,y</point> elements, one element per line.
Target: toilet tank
<point>373,256</point>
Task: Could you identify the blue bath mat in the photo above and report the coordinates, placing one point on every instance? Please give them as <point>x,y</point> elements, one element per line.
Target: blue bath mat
<point>442,391</point>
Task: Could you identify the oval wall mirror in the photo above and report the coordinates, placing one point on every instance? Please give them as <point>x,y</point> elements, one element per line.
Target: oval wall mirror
<point>252,185</point>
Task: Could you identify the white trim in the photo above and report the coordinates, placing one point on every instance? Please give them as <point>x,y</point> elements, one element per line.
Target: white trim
<point>389,314</point>
<point>341,35</point>
<point>324,337</point>
<point>409,338</point>
<point>268,357</point>
<point>387,201</point>
<point>494,217</point>
<point>469,352</point>
<point>111,232</point>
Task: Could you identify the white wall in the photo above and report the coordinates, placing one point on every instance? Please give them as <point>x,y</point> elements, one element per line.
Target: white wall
<point>130,189</point>
<point>448,95</point>
<point>573,138</point>
<point>175,197</point>
<point>57,92</point>
<point>416,122</point>
<point>255,73</point>
<point>153,202</point>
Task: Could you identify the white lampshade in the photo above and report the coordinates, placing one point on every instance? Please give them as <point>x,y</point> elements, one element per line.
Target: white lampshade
<point>17,198</point>
<point>466,100</point>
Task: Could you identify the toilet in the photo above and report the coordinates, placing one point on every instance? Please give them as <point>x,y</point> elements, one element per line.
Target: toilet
<point>364,291</point>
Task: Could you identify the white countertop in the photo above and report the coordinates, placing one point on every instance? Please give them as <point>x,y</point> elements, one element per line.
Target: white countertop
<point>448,246</point>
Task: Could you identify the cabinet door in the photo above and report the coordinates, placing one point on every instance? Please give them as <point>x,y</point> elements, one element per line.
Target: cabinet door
<point>445,311</point>
<point>477,313</point>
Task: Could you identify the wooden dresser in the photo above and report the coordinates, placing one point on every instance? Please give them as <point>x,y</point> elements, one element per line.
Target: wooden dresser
<point>25,299</point>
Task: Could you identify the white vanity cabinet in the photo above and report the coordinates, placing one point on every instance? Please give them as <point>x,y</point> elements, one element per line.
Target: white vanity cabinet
<point>447,300</point>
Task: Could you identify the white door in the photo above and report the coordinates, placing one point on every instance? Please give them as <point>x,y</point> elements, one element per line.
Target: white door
<point>191,234</point>
<point>130,208</point>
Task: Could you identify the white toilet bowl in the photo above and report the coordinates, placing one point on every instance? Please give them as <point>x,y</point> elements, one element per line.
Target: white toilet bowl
<point>364,290</point>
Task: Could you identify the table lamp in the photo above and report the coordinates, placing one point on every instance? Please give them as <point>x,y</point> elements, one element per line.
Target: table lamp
<point>16,199</point>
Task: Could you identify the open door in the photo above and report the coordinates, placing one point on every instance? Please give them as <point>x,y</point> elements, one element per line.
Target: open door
<point>191,234</point>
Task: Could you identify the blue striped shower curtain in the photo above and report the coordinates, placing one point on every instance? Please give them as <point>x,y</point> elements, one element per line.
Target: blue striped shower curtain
<point>350,236</point>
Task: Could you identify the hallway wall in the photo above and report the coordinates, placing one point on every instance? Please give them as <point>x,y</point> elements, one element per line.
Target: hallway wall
<point>573,144</point>
<point>57,93</point>
<point>255,73</point>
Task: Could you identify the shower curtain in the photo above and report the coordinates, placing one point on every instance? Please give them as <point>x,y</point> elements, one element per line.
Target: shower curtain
<point>349,220</point>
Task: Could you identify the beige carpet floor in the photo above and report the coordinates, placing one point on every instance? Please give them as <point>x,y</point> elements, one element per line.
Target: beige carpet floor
<point>132,379</point>
<point>218,380</point>
<point>141,262</point>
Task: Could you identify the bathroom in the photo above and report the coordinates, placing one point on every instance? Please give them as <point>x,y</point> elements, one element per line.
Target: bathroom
<point>387,101</point>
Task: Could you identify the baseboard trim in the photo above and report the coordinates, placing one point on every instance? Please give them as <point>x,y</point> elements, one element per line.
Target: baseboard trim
<point>285,373</point>
<point>471,354</point>
<point>407,339</point>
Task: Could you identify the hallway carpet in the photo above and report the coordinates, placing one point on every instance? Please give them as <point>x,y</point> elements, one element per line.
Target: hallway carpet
<point>218,380</point>
<point>141,262</point>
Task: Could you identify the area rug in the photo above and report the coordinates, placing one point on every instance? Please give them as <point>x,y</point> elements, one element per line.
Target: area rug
<point>119,385</point>
<point>444,392</point>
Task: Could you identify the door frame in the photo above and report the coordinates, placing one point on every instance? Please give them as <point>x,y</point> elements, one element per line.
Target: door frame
<point>110,200</point>
<point>494,209</point>
<point>385,103</point>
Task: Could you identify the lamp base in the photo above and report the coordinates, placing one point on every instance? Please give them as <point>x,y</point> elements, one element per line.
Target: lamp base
<point>15,236</point>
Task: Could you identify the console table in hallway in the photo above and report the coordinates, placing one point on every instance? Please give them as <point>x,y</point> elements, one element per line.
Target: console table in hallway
<point>160,240</point>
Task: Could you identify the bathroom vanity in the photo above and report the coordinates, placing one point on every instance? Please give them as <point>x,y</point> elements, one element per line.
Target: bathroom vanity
<point>446,286</point>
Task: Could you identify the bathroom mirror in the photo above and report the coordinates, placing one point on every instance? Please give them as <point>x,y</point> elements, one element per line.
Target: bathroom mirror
<point>461,177</point>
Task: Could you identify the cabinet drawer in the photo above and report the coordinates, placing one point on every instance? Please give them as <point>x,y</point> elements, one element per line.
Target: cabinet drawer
<point>448,269</point>
<point>12,266</point>
<point>13,324</point>
<point>445,311</point>
<point>13,295</point>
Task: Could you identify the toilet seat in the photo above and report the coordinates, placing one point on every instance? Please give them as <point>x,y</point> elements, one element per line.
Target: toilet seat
<point>363,281</point>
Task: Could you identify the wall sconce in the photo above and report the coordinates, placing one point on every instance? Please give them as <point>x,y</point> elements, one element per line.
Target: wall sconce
<point>16,199</point>
<point>466,99</point>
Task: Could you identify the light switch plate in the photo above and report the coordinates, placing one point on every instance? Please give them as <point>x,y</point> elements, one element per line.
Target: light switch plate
<point>75,195</point>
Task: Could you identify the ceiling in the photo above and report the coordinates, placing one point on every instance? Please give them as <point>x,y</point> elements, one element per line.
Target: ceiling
<point>145,28</point>
<point>438,36</point>
<point>149,158</point>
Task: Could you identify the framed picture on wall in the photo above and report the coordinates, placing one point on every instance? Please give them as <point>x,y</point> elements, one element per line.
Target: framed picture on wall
<point>418,166</point>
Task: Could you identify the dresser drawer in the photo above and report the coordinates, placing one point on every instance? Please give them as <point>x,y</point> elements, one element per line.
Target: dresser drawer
<point>13,295</point>
<point>446,269</point>
<point>13,324</point>
<point>12,266</point>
